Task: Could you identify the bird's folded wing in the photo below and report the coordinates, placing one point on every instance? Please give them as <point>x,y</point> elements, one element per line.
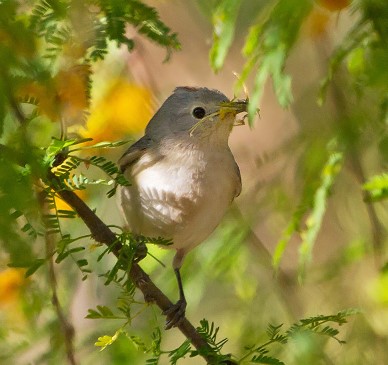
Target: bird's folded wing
<point>134,152</point>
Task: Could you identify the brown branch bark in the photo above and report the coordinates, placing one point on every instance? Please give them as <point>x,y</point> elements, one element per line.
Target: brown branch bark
<point>142,281</point>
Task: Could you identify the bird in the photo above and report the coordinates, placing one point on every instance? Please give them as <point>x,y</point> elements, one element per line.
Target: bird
<point>183,176</point>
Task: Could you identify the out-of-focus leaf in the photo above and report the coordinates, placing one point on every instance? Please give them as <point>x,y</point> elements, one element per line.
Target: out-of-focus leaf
<point>314,220</point>
<point>146,20</point>
<point>288,232</point>
<point>352,42</point>
<point>267,47</point>
<point>377,186</point>
<point>224,19</point>
<point>356,61</point>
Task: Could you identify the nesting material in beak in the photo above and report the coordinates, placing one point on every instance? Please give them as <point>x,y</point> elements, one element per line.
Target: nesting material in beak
<point>234,108</point>
<point>226,108</point>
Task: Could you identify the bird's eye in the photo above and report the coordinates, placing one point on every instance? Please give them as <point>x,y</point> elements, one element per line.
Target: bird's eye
<point>199,112</point>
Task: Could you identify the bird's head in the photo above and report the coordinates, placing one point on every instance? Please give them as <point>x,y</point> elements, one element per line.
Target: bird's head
<point>198,113</point>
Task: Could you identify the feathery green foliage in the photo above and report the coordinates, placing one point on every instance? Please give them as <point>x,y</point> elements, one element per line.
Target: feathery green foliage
<point>48,53</point>
<point>317,325</point>
<point>224,18</point>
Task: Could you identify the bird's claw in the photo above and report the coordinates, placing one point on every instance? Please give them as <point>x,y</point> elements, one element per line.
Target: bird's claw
<point>175,314</point>
<point>141,252</point>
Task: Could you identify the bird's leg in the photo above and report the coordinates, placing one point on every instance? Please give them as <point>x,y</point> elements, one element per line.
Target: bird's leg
<point>141,250</point>
<point>176,312</point>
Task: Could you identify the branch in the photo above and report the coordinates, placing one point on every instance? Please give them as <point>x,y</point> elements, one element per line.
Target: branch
<point>64,323</point>
<point>142,281</point>
<point>66,326</point>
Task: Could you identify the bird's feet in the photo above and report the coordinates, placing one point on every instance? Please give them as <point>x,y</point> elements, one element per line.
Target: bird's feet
<point>175,314</point>
<point>141,252</point>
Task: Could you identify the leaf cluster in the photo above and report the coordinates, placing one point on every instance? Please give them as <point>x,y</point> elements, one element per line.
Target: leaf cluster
<point>274,32</point>
<point>317,325</point>
<point>355,81</point>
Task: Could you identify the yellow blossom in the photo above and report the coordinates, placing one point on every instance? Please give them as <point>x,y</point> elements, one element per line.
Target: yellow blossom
<point>62,205</point>
<point>125,109</point>
<point>11,282</point>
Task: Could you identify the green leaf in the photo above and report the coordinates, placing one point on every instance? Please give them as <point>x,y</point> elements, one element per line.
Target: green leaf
<point>252,41</point>
<point>143,17</point>
<point>155,347</point>
<point>34,267</point>
<point>102,312</point>
<point>82,262</point>
<point>377,188</point>
<point>102,145</point>
<point>352,42</point>
<point>139,343</point>
<point>224,19</point>
<point>64,254</point>
<point>264,359</point>
<point>209,332</point>
<point>57,145</point>
<point>267,47</point>
<point>179,352</point>
<point>105,341</point>
<point>314,220</point>
<point>292,227</point>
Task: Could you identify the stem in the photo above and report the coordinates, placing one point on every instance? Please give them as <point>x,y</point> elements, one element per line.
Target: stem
<point>67,328</point>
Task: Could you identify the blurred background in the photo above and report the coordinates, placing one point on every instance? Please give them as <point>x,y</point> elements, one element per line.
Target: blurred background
<point>304,238</point>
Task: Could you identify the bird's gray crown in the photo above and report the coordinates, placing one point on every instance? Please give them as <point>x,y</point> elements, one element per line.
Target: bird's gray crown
<point>175,116</point>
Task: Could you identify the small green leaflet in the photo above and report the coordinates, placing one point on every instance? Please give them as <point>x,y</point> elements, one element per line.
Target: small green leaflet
<point>224,18</point>
<point>315,218</point>
<point>377,188</point>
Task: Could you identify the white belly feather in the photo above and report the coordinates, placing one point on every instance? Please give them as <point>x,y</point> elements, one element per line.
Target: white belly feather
<point>183,200</point>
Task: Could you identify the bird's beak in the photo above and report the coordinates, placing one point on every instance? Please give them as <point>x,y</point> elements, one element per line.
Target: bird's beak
<point>233,107</point>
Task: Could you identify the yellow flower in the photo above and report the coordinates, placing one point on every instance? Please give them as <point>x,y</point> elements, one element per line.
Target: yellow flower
<point>71,88</point>
<point>11,282</point>
<point>125,109</point>
<point>62,205</point>
<point>65,96</point>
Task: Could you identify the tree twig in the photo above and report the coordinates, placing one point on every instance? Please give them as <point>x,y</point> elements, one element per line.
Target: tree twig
<point>65,325</point>
<point>142,281</point>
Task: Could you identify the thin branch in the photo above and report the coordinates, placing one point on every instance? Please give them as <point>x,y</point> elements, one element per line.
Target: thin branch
<point>142,281</point>
<point>14,105</point>
<point>67,328</point>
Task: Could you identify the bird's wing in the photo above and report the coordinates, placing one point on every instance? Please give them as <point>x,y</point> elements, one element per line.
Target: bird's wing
<point>134,152</point>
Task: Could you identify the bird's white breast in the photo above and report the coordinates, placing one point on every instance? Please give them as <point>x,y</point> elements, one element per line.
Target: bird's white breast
<point>182,196</point>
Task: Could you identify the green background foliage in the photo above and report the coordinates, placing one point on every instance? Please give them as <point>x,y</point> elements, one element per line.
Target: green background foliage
<point>304,241</point>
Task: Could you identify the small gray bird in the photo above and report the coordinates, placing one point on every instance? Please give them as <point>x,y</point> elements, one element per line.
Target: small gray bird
<point>183,175</point>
